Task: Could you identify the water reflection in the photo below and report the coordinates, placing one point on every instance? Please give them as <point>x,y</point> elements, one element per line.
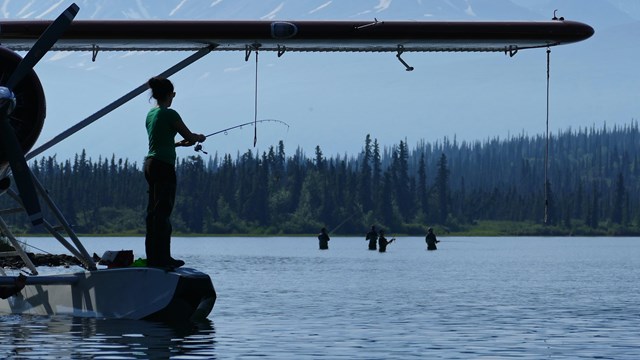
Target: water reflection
<point>38,337</point>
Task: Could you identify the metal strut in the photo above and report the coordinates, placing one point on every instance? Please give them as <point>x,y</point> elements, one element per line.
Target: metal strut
<point>400,51</point>
<point>77,249</point>
<point>116,104</point>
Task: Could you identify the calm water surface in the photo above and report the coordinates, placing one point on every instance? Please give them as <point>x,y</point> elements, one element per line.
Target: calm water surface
<point>282,298</point>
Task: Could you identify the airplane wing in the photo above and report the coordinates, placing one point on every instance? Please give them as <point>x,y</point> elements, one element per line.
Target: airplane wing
<point>299,36</point>
<point>22,105</point>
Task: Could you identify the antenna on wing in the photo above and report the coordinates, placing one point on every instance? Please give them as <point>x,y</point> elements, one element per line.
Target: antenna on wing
<point>561,18</point>
<point>374,23</point>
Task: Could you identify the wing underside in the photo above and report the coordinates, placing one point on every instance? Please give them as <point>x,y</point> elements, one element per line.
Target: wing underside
<point>299,36</point>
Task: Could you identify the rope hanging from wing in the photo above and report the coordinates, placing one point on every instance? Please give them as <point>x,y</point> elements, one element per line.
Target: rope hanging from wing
<point>255,106</point>
<point>546,152</point>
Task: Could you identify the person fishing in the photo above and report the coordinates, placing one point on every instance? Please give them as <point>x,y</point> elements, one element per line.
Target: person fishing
<point>383,242</point>
<point>323,239</point>
<point>372,237</point>
<point>163,123</point>
<point>431,240</point>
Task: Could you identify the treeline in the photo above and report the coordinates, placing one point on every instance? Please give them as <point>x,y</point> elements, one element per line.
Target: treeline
<point>592,187</point>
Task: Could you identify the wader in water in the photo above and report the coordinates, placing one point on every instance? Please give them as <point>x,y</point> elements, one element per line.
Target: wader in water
<point>431,240</point>
<point>323,239</point>
<point>383,242</point>
<point>372,236</point>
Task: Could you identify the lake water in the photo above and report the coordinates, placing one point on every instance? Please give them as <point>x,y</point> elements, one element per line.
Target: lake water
<point>282,298</point>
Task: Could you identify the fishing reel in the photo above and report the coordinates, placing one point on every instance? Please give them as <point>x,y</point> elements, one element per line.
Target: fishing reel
<point>198,148</point>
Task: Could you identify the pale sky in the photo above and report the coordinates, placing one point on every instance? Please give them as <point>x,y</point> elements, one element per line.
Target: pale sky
<point>335,100</point>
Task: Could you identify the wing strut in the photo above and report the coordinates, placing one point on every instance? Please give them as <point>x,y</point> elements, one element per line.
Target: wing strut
<point>116,104</point>
<point>79,251</point>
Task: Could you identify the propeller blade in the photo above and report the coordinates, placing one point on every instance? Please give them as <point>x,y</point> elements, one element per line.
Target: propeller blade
<point>10,144</point>
<point>21,173</point>
<point>44,44</point>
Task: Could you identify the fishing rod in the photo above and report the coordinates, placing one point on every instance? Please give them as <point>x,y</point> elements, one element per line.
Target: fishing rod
<point>342,223</point>
<point>359,207</point>
<point>198,147</point>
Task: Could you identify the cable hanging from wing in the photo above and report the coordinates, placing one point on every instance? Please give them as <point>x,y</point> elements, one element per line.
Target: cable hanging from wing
<point>255,105</point>
<point>546,152</point>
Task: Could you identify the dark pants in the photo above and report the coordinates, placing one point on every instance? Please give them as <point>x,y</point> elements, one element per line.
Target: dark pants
<point>161,178</point>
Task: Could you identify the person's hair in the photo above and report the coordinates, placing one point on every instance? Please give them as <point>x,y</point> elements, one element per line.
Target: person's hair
<point>160,88</point>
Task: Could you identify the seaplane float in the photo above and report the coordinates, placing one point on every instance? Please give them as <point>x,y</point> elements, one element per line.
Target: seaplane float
<point>184,293</point>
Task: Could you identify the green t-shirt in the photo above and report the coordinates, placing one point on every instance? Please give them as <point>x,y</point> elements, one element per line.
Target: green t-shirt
<point>162,129</point>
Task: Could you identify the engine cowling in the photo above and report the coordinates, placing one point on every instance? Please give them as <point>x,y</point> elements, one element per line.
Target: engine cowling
<point>28,117</point>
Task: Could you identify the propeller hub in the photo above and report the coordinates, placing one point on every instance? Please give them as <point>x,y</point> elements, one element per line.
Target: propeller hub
<point>6,96</point>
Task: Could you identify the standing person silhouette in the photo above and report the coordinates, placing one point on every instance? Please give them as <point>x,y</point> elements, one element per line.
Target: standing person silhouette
<point>431,240</point>
<point>372,236</point>
<point>323,239</point>
<point>163,123</point>
<point>383,242</point>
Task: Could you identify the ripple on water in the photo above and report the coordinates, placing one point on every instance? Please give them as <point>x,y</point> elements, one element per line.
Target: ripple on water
<point>531,298</point>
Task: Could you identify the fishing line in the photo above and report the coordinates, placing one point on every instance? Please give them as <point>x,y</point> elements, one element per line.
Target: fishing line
<point>347,219</point>
<point>342,223</point>
<point>25,245</point>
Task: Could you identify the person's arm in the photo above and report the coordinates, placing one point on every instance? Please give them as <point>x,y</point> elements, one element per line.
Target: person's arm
<point>190,138</point>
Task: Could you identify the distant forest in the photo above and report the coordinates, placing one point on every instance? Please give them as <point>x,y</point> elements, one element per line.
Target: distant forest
<point>593,188</point>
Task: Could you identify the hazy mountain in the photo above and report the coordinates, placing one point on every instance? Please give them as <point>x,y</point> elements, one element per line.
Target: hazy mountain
<point>279,9</point>
<point>599,13</point>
